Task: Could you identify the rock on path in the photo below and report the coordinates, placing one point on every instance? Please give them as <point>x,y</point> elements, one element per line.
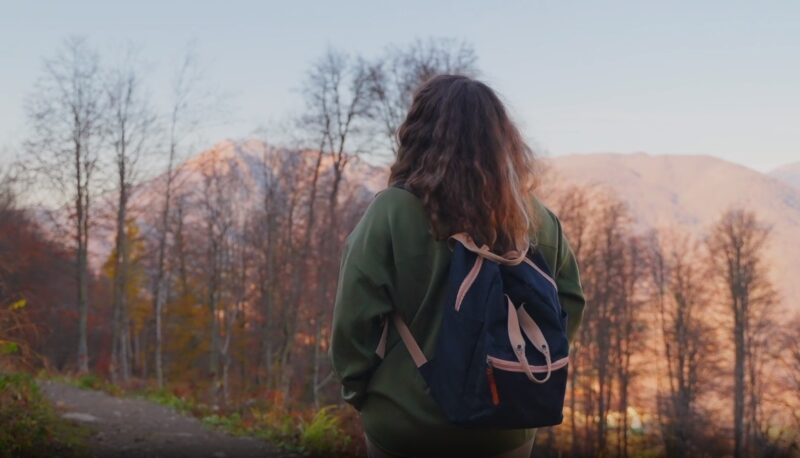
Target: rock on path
<point>127,427</point>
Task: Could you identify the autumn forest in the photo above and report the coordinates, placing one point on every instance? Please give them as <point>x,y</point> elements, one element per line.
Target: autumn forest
<point>135,258</point>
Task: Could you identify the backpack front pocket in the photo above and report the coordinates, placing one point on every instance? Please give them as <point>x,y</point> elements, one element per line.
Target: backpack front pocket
<point>514,403</point>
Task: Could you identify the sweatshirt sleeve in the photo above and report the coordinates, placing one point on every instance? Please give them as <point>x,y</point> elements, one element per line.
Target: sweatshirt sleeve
<point>363,299</point>
<point>568,280</point>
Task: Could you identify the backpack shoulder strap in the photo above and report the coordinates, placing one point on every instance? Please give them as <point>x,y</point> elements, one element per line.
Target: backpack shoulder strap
<point>539,264</point>
<point>405,335</point>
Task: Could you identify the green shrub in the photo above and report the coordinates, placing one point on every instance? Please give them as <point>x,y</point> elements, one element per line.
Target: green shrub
<point>232,423</point>
<point>93,382</point>
<point>322,435</point>
<point>89,382</point>
<point>277,425</point>
<point>29,426</point>
<point>168,399</point>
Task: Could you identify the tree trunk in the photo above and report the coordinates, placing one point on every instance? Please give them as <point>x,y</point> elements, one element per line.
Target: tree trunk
<point>82,210</point>
<point>738,381</point>
<point>160,281</point>
<point>573,392</point>
<point>305,249</point>
<point>118,325</point>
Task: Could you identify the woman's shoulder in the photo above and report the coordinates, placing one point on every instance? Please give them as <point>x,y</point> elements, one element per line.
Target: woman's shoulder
<point>394,214</point>
<point>548,226</point>
<point>549,236</point>
<point>394,197</point>
<point>395,206</point>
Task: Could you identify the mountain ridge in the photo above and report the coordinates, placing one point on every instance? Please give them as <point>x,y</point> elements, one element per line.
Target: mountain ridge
<point>788,173</point>
<point>690,192</point>
<point>685,191</point>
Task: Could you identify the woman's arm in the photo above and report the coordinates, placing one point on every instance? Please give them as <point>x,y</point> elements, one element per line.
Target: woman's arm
<point>568,280</point>
<point>555,247</point>
<point>363,299</point>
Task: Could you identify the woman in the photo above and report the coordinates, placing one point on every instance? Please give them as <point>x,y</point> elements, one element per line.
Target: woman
<point>461,166</point>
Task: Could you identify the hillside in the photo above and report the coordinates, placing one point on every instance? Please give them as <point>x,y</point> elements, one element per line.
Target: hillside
<point>245,169</point>
<point>691,192</point>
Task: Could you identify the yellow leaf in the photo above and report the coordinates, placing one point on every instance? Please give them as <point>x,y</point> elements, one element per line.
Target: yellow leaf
<point>20,304</point>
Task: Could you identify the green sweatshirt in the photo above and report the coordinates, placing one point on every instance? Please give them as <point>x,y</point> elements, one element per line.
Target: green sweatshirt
<point>392,262</point>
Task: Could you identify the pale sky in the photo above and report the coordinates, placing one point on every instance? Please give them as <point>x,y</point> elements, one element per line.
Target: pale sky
<point>705,77</point>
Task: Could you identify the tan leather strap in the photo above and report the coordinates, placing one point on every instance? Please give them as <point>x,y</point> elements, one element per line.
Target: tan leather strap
<point>542,273</point>
<point>518,342</point>
<point>408,341</point>
<point>405,335</point>
<point>381,350</point>
<point>534,333</point>
<point>511,258</point>
<point>468,281</point>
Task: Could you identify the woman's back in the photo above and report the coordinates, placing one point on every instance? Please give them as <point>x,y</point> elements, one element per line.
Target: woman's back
<point>463,168</point>
<point>392,262</point>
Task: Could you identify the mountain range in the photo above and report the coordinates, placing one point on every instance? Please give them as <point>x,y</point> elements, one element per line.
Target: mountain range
<point>690,192</point>
<point>687,192</point>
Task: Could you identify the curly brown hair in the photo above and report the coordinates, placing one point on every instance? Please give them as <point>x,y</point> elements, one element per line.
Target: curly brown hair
<point>461,154</point>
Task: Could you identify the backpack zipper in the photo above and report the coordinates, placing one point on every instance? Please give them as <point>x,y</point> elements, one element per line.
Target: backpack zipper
<point>492,385</point>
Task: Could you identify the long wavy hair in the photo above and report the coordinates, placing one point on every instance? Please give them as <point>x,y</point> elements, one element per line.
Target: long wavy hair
<point>461,154</point>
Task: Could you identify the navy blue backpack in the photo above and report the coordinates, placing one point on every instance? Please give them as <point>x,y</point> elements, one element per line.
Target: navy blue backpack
<point>502,352</point>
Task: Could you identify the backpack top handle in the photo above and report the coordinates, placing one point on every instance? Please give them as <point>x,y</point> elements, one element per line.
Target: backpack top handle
<point>510,258</point>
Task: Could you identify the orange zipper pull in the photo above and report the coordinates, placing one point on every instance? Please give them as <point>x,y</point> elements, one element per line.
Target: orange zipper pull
<point>492,385</point>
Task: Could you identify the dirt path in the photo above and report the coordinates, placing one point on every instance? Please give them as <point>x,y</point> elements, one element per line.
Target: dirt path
<point>129,427</point>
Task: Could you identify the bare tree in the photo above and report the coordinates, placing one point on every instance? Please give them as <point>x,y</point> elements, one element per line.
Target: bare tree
<point>220,220</point>
<point>299,251</point>
<point>790,361</point>
<point>130,131</point>
<point>279,173</point>
<point>629,330</point>
<point>9,211</point>
<point>337,100</point>
<point>237,267</point>
<point>736,244</point>
<point>681,296</point>
<point>613,266</point>
<point>67,112</point>
<point>261,236</point>
<point>182,120</point>
<point>396,75</point>
<point>8,193</point>
<point>605,269</point>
